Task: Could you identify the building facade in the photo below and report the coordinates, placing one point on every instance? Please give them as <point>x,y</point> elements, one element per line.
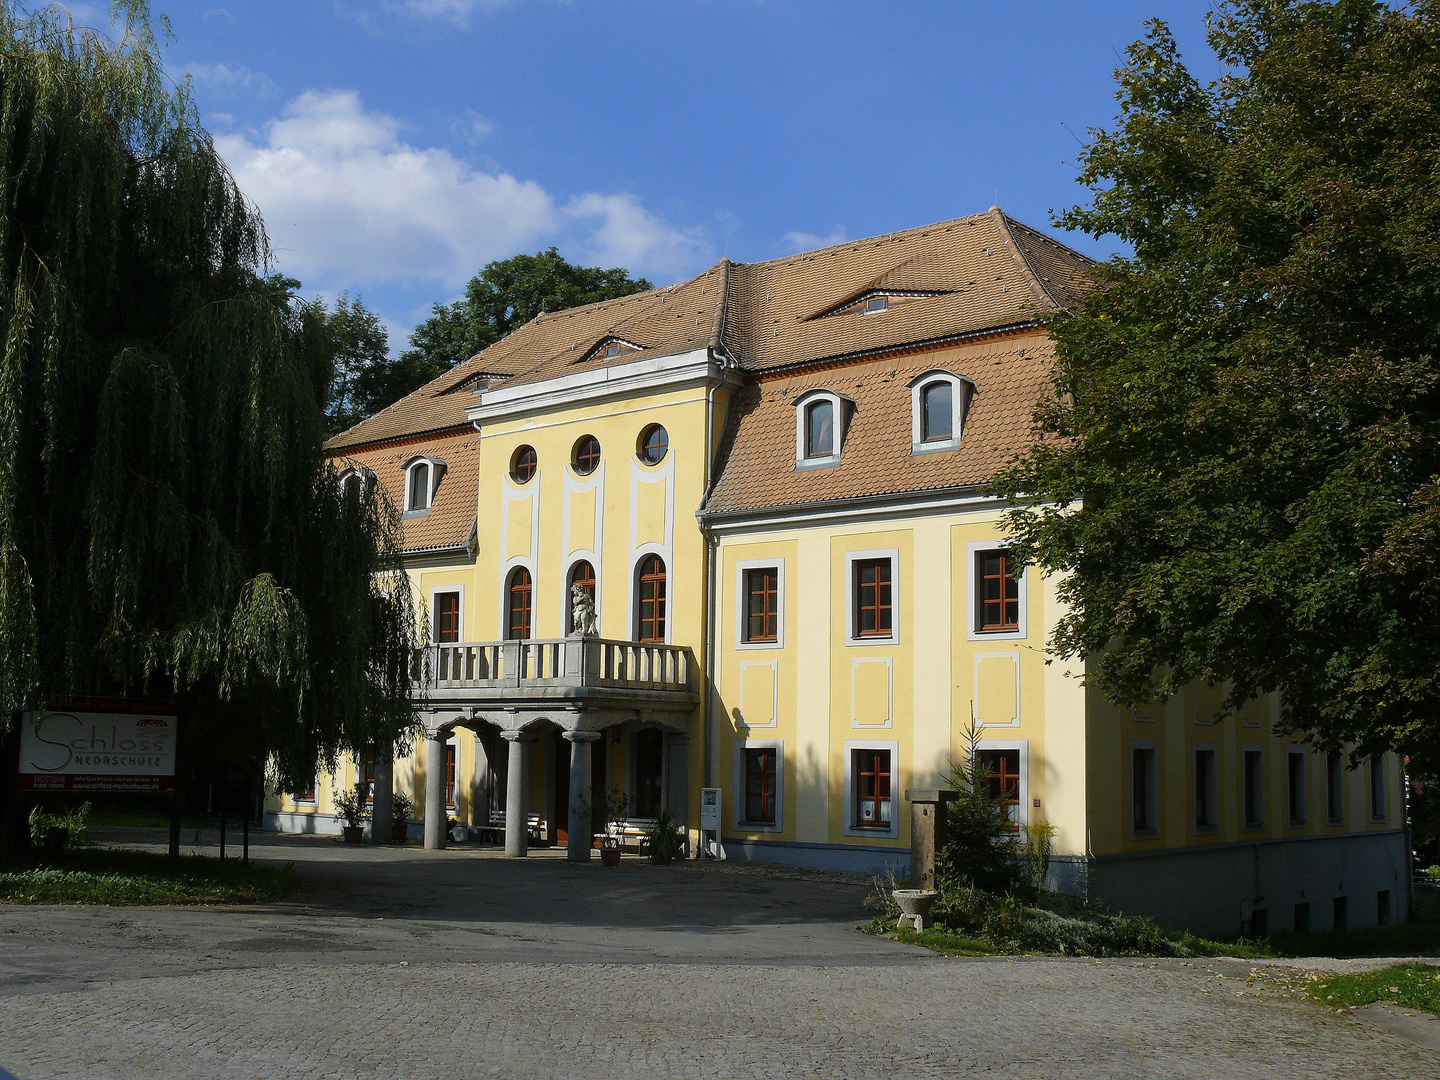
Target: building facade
<point>734,533</point>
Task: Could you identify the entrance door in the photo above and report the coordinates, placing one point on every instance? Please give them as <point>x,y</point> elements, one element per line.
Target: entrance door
<point>649,769</point>
<point>561,809</point>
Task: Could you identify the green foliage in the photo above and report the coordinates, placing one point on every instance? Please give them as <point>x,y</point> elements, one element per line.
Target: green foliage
<point>1239,480</point>
<point>75,820</point>
<point>505,295</point>
<point>402,807</point>
<point>1009,925</point>
<point>980,844</point>
<point>667,842</point>
<point>1035,853</point>
<point>365,379</point>
<point>1411,986</point>
<point>138,877</point>
<point>168,523</point>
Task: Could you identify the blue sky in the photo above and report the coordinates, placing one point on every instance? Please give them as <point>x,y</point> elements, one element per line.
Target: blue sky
<point>395,146</point>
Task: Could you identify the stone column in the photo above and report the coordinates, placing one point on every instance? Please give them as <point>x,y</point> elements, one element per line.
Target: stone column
<point>580,836</point>
<point>382,810</point>
<point>435,790</point>
<point>927,832</point>
<point>517,794</point>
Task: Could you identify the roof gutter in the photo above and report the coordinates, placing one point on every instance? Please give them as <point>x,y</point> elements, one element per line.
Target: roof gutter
<point>967,496</point>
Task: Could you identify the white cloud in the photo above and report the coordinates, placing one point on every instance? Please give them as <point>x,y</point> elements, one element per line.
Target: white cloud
<point>456,11</point>
<point>349,203</point>
<point>626,234</point>
<point>804,241</point>
<point>228,79</point>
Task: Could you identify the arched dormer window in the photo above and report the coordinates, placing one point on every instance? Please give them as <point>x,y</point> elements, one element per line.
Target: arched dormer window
<point>422,477</point>
<point>821,417</point>
<point>939,401</point>
<point>356,483</point>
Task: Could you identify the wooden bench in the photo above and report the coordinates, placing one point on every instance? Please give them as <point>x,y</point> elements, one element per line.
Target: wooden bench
<point>494,829</point>
<point>630,832</point>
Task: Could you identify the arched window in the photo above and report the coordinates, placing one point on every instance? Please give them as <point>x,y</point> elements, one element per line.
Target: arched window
<point>519,597</point>
<point>653,445</point>
<point>937,411</point>
<point>650,616</point>
<point>820,419</point>
<point>939,401</point>
<point>586,456</point>
<point>582,574</point>
<point>417,493</point>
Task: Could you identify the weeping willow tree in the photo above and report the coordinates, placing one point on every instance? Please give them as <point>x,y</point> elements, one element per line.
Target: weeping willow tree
<point>168,523</point>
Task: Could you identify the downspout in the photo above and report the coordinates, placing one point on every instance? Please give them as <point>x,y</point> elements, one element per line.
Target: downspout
<point>711,562</point>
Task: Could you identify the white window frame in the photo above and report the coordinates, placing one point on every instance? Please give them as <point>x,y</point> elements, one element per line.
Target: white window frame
<point>1212,793</point>
<point>1378,778</point>
<point>742,603</point>
<point>851,557</point>
<point>1153,802</point>
<point>1023,745</point>
<point>1255,748</point>
<point>1339,758</point>
<point>741,823</point>
<point>436,590</point>
<point>838,403</point>
<point>896,788</point>
<point>437,470</point>
<point>972,633</point>
<point>960,390</point>
<point>884,298</point>
<point>367,479</point>
<point>1292,752</point>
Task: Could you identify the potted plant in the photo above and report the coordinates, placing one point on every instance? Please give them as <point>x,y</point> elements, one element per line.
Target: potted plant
<point>402,808</point>
<point>666,839</point>
<point>350,809</point>
<point>611,806</point>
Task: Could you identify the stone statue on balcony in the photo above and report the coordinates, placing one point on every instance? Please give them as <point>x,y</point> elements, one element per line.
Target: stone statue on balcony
<point>582,607</point>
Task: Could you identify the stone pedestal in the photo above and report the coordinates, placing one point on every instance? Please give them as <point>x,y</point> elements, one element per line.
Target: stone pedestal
<point>435,816</point>
<point>927,832</point>
<point>579,839</point>
<point>517,794</point>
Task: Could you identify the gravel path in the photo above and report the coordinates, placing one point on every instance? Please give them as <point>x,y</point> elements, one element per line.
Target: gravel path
<point>411,964</point>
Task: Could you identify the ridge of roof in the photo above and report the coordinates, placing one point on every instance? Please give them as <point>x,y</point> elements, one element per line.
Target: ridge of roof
<point>902,234</point>
<point>717,330</point>
<point>1002,226</point>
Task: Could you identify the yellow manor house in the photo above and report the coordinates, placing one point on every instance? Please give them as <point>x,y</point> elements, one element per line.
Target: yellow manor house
<point>733,534</point>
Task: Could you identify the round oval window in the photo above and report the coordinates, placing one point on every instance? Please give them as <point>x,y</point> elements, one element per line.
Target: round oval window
<point>653,444</point>
<point>586,456</point>
<point>523,464</point>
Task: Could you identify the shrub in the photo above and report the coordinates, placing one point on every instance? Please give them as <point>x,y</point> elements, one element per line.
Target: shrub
<point>75,820</point>
<point>666,840</point>
<point>980,844</point>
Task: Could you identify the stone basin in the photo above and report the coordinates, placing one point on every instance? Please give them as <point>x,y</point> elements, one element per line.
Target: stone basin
<point>915,905</point>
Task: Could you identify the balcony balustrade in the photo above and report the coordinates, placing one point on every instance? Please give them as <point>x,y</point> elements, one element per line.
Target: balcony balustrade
<point>565,667</point>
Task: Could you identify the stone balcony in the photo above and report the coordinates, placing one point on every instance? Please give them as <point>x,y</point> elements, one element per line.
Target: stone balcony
<point>592,671</point>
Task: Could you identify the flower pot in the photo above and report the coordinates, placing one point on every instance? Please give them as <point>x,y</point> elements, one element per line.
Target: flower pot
<point>353,834</point>
<point>460,833</point>
<point>610,856</point>
<point>915,904</point>
<point>399,832</point>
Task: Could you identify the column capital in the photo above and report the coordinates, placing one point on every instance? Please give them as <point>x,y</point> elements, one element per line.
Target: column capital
<point>511,735</point>
<point>580,736</point>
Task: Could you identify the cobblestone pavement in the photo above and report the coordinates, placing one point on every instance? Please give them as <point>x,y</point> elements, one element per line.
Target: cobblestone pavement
<point>410,964</point>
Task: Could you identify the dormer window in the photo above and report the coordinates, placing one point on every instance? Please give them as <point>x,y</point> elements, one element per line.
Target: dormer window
<point>612,350</point>
<point>356,483</point>
<point>422,477</point>
<point>876,303</point>
<point>820,417</point>
<point>939,401</point>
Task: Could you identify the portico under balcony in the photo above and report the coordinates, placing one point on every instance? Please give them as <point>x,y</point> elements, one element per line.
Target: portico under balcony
<point>576,689</point>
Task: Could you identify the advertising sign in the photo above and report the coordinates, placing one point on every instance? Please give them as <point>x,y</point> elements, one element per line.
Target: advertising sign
<point>117,746</point>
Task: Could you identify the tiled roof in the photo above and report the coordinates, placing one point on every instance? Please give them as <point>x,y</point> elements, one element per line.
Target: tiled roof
<point>757,464</point>
<point>452,512</point>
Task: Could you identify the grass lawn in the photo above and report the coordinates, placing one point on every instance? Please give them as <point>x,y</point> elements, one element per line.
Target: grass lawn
<point>95,876</point>
<point>1411,986</point>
